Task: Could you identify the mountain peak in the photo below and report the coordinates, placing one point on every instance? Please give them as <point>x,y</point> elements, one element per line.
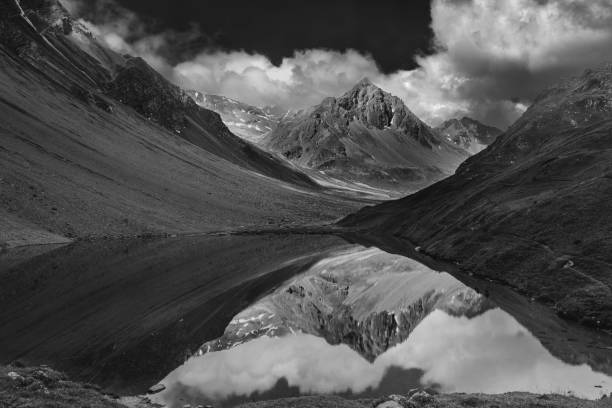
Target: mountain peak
<point>468,133</point>
<point>364,82</point>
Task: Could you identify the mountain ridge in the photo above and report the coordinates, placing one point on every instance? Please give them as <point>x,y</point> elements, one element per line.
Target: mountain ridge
<point>468,133</point>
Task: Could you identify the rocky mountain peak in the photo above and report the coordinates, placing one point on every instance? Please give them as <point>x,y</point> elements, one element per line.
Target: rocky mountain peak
<point>363,92</point>
<point>377,108</point>
<point>364,83</point>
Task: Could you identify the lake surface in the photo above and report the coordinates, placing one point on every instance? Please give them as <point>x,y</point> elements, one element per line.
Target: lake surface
<point>227,319</point>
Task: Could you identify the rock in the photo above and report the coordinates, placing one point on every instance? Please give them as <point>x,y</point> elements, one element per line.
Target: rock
<point>395,401</point>
<point>390,404</point>
<point>421,397</point>
<point>156,388</point>
<point>14,376</point>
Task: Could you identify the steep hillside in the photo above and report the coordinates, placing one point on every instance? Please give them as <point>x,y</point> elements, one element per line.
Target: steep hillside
<point>533,209</point>
<point>97,144</point>
<point>249,122</point>
<point>468,133</point>
<point>366,135</point>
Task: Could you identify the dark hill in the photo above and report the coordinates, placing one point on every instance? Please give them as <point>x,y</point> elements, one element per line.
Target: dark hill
<point>533,210</point>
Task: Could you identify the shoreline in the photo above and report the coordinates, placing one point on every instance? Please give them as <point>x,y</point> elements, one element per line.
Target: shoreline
<point>43,386</point>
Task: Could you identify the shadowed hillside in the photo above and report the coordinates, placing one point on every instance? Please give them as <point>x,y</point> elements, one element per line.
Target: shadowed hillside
<point>531,210</point>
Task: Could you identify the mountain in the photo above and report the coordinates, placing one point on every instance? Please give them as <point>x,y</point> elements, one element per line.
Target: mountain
<point>366,135</point>
<point>249,122</point>
<point>533,209</point>
<point>468,133</point>
<point>99,144</point>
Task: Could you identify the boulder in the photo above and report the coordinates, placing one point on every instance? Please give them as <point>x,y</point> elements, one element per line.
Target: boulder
<point>156,388</point>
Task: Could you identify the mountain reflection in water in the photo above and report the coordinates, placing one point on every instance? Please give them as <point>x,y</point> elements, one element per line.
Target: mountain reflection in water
<point>479,351</point>
<point>125,313</point>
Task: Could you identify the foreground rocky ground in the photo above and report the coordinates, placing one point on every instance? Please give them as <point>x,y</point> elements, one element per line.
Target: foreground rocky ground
<point>425,400</point>
<point>42,386</point>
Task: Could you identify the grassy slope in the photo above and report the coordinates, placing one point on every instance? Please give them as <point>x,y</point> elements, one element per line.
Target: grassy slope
<point>76,170</point>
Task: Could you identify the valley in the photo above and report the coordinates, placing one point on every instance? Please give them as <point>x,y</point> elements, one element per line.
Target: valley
<point>178,248</point>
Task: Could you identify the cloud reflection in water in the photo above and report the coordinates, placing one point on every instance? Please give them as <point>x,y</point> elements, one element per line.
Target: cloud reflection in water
<point>491,353</point>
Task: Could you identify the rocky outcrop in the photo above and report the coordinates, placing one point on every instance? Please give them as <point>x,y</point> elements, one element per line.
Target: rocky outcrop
<point>138,85</point>
<point>366,135</point>
<point>532,209</point>
<point>468,133</point>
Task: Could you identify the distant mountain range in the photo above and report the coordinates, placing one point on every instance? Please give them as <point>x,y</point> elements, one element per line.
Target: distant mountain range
<point>533,209</point>
<point>247,121</point>
<point>468,133</point>
<point>278,130</point>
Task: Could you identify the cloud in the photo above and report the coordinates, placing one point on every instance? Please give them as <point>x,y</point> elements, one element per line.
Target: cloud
<point>490,353</point>
<point>494,56</point>
<point>490,58</point>
<point>299,81</point>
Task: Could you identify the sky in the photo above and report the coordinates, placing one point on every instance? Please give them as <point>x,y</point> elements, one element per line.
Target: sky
<point>487,59</point>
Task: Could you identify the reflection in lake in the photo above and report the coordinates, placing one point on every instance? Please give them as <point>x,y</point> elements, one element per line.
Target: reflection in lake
<point>278,315</point>
<point>489,353</point>
<point>363,322</point>
<point>124,313</point>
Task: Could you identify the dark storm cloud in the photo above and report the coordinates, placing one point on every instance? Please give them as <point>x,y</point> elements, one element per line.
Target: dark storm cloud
<point>392,31</point>
<point>488,58</point>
